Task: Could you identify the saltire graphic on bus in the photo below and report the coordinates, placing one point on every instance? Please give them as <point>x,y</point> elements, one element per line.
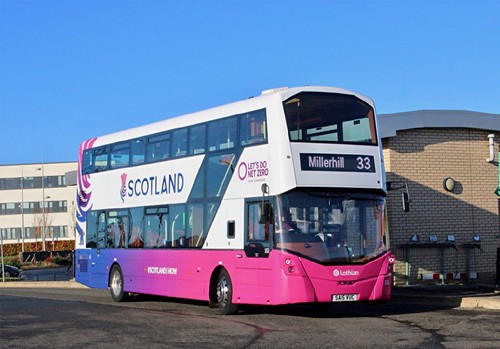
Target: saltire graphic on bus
<point>123,190</point>
<point>83,194</point>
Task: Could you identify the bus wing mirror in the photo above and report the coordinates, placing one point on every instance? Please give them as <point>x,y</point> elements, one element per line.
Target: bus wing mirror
<point>405,195</point>
<point>264,212</point>
<point>406,201</point>
<point>265,206</point>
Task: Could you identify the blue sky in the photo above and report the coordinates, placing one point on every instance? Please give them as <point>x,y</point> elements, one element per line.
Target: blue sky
<point>72,70</point>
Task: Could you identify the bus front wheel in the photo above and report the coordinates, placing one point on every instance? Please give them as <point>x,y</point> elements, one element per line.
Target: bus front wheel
<point>225,294</point>
<point>116,284</point>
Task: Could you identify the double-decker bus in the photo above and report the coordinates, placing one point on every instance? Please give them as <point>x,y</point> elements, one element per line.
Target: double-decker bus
<point>277,199</point>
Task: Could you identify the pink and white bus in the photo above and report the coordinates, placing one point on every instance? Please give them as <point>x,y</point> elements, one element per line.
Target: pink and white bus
<point>277,199</point>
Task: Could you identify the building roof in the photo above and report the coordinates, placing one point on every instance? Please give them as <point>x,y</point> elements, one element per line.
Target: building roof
<point>389,124</point>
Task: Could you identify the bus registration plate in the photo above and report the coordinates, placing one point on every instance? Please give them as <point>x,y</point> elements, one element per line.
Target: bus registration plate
<point>344,297</point>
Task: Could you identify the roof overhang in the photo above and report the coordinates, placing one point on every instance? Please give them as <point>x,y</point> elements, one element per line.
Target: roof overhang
<point>389,124</point>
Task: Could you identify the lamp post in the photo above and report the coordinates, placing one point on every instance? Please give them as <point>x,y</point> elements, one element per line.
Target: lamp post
<point>22,209</point>
<point>43,205</point>
<point>3,264</point>
<point>43,208</point>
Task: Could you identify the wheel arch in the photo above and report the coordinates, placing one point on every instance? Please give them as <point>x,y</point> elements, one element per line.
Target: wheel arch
<point>109,272</point>
<point>212,290</point>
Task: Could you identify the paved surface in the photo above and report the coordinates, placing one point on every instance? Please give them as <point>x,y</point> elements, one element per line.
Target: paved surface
<point>460,296</point>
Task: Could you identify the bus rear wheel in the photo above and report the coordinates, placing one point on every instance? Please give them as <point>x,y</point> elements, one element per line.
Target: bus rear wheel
<point>116,284</point>
<point>225,294</point>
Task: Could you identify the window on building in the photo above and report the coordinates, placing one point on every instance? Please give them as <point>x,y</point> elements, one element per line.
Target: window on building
<point>10,183</point>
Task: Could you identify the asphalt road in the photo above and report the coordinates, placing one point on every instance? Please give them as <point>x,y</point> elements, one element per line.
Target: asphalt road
<point>87,318</point>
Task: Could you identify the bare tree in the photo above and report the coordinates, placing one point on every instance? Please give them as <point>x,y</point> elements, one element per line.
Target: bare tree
<point>72,221</point>
<point>38,227</point>
<point>42,222</point>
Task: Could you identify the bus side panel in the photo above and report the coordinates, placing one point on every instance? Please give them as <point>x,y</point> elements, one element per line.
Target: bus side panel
<point>172,273</point>
<point>281,278</point>
<point>92,268</point>
<point>186,274</point>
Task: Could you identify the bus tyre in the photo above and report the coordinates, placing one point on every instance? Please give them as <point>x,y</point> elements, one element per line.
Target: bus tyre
<point>225,294</point>
<point>116,284</point>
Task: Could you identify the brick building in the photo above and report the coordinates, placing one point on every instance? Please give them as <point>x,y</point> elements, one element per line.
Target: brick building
<point>424,148</point>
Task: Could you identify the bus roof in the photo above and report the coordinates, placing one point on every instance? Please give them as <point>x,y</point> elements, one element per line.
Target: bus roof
<point>266,98</point>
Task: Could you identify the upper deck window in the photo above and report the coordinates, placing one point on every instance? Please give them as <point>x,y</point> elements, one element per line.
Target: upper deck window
<point>253,128</point>
<point>120,155</point>
<point>329,117</point>
<point>219,135</point>
<point>158,148</point>
<point>222,134</point>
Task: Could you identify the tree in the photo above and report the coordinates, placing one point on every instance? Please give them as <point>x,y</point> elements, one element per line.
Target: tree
<point>42,222</point>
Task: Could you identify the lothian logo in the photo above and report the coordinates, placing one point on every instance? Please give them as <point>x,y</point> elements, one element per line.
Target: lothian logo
<point>123,190</point>
<point>347,272</point>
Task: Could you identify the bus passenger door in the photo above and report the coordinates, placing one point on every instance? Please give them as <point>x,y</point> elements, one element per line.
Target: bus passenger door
<point>257,235</point>
<point>96,265</point>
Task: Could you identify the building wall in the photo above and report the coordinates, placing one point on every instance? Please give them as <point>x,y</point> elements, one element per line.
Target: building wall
<point>424,158</point>
<point>56,198</point>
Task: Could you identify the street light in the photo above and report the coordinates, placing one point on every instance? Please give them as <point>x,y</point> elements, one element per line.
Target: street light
<point>22,209</point>
<point>43,205</point>
<point>21,206</point>
<point>3,263</point>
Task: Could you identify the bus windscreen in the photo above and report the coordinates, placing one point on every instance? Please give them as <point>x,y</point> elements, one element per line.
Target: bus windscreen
<point>329,118</point>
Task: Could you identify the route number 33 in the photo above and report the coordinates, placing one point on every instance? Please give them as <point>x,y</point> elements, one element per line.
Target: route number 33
<point>364,163</point>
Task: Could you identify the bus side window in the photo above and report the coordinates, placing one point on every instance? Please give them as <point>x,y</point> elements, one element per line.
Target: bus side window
<point>255,230</point>
<point>92,227</point>
<point>158,148</point>
<point>120,155</point>
<point>152,231</point>
<point>101,229</point>
<point>253,128</point>
<point>136,234</point>
<point>155,229</point>
<point>222,134</point>
<point>110,236</point>
<point>177,225</point>
<point>179,142</point>
<point>195,236</point>
<point>100,159</point>
<point>87,162</point>
<point>197,139</point>
<point>138,150</point>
